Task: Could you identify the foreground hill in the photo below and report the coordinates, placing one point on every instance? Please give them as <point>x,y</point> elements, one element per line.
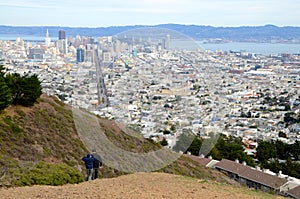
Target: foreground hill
<point>41,145</point>
<point>139,185</point>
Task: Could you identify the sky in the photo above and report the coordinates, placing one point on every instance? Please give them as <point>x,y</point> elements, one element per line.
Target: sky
<point>100,13</point>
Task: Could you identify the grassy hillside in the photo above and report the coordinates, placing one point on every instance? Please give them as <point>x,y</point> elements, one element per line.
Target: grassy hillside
<point>40,145</point>
<point>31,136</point>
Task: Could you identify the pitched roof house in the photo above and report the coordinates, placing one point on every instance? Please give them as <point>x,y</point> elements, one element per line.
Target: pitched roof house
<point>295,192</point>
<point>250,177</point>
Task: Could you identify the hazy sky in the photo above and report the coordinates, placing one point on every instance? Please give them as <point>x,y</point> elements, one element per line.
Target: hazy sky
<point>99,13</point>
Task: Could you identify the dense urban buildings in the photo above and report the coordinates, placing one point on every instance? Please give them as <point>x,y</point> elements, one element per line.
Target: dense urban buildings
<point>163,90</point>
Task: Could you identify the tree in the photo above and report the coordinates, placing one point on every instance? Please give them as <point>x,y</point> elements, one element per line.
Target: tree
<point>294,150</point>
<point>25,90</point>
<point>1,71</point>
<point>215,154</point>
<point>281,149</point>
<point>5,94</point>
<point>282,134</point>
<point>164,142</point>
<point>184,141</point>
<point>195,147</point>
<point>288,118</point>
<point>18,90</point>
<point>265,151</point>
<point>292,168</point>
<point>230,148</point>
<point>274,166</point>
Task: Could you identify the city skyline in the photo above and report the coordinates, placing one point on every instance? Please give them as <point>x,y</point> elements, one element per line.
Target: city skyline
<point>92,13</point>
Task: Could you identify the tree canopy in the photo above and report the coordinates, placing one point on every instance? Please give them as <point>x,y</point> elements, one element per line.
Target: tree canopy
<point>225,147</point>
<point>5,94</point>
<point>17,89</point>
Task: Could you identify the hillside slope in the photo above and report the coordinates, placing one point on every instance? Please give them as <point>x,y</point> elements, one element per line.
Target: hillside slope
<point>139,185</point>
<point>41,145</point>
<point>42,133</point>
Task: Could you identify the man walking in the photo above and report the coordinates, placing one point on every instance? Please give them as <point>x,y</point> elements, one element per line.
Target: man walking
<point>88,160</point>
<point>96,164</point>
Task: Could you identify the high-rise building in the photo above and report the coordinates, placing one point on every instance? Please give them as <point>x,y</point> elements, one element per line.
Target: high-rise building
<point>168,40</point>
<point>163,43</point>
<point>77,41</point>
<point>80,55</point>
<point>70,40</point>
<point>62,42</point>
<point>61,34</point>
<point>47,39</point>
<point>91,40</point>
<point>36,53</point>
<point>62,46</point>
<point>106,57</point>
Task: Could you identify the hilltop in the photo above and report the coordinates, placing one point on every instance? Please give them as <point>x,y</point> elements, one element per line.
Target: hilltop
<point>40,145</point>
<point>139,185</point>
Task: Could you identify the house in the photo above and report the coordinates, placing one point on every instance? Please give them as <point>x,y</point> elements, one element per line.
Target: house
<point>294,193</point>
<point>250,176</point>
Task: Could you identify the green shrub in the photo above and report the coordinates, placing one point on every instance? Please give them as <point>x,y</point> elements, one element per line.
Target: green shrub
<point>14,127</point>
<point>49,174</point>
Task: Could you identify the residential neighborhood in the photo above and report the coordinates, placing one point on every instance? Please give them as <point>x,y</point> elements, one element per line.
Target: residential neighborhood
<point>162,90</point>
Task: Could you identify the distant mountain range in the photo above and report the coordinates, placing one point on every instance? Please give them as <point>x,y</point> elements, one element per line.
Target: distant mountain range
<point>267,33</point>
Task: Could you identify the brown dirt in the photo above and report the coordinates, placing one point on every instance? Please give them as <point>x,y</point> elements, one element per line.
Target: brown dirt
<point>111,124</point>
<point>139,185</point>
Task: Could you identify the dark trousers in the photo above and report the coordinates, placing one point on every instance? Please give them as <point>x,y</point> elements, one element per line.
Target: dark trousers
<point>95,173</point>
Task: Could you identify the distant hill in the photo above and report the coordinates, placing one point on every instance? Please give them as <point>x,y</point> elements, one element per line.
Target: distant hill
<point>40,145</point>
<point>267,33</point>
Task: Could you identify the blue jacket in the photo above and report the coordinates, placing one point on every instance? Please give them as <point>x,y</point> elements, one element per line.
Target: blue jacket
<point>88,161</point>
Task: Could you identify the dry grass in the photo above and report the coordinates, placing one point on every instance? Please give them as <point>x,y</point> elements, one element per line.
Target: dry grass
<point>139,185</point>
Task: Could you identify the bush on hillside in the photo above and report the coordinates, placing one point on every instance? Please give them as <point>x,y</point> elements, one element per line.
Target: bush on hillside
<point>49,174</point>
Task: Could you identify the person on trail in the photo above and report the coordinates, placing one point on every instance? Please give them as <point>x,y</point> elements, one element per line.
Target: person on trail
<point>88,160</point>
<point>96,164</point>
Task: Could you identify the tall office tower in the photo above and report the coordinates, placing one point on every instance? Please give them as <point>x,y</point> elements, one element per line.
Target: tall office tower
<point>117,46</point>
<point>84,40</point>
<point>80,55</point>
<point>163,44</point>
<point>106,57</point>
<point>70,40</point>
<point>168,41</point>
<point>77,41</point>
<point>47,39</point>
<point>65,46</point>
<point>61,34</point>
<point>22,42</point>
<point>62,46</point>
<point>91,40</point>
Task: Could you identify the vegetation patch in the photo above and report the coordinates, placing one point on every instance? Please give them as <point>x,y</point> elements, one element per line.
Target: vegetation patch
<point>45,173</point>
